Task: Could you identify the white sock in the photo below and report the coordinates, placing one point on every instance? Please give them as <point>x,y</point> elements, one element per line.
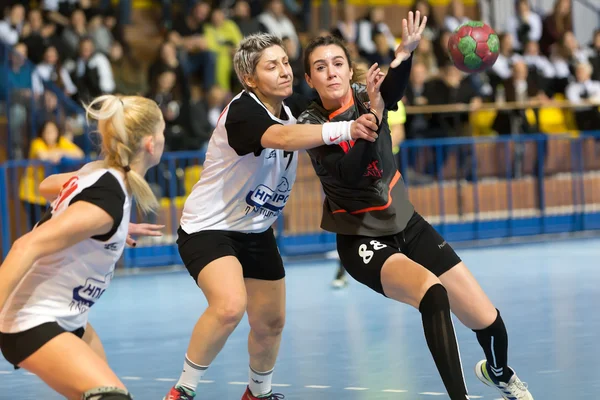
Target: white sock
<point>260,382</point>
<point>191,375</point>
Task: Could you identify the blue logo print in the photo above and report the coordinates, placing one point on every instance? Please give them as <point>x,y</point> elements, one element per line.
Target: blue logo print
<point>86,295</point>
<point>267,201</point>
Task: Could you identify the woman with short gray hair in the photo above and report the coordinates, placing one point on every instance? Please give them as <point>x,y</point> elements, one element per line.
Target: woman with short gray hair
<point>225,239</point>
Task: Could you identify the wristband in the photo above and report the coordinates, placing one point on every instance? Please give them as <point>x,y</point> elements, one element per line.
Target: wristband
<point>336,132</point>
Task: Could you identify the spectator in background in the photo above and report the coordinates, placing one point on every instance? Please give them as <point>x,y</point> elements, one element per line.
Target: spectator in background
<point>566,54</point>
<point>555,24</point>
<point>502,68</point>
<point>200,129</point>
<point>584,88</point>
<point>347,26</point>
<point>38,36</point>
<point>384,55</point>
<point>432,30</point>
<point>274,21</point>
<point>244,20</point>
<point>171,107</point>
<point>424,54</point>
<point>440,47</point>
<point>300,85</point>
<point>223,37</point>
<point>100,34</point>
<point>369,28</point>
<point>539,67</point>
<point>456,17</point>
<point>16,84</point>
<point>520,87</point>
<point>216,101</point>
<point>129,80</point>
<point>594,55</point>
<point>51,70</point>
<point>49,146</point>
<point>59,11</point>
<point>73,33</point>
<point>188,36</point>
<point>167,60</point>
<point>93,72</point>
<point>525,25</point>
<point>12,25</point>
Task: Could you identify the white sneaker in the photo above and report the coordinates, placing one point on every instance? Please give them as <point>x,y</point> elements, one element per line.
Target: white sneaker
<point>513,390</point>
<point>339,283</point>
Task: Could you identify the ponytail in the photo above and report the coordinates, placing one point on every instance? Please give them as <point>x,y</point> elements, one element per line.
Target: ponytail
<point>123,122</point>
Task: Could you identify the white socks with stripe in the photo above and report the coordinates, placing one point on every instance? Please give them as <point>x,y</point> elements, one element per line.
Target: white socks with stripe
<point>260,382</point>
<point>191,375</point>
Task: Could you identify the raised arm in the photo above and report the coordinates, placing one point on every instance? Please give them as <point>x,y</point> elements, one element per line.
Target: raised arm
<point>396,81</point>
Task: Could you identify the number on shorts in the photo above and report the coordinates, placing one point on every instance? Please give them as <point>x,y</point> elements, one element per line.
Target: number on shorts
<point>366,254</point>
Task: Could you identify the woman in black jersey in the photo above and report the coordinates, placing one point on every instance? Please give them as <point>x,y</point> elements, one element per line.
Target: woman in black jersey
<point>382,242</point>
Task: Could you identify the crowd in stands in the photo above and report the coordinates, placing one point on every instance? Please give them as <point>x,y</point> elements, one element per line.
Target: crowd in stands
<point>77,50</point>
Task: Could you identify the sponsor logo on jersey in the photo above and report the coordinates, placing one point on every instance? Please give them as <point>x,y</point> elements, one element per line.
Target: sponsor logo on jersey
<point>267,201</point>
<point>86,295</point>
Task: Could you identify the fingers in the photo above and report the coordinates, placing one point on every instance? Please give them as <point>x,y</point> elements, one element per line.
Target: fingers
<point>368,121</point>
<point>417,21</point>
<point>404,29</point>
<point>130,241</point>
<point>365,134</point>
<point>423,26</point>
<point>411,22</point>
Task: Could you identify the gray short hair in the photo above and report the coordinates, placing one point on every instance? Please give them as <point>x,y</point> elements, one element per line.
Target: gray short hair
<point>247,55</point>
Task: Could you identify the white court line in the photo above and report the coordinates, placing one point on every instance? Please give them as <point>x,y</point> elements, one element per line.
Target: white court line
<point>356,388</point>
<point>280,384</point>
<point>5,372</point>
<point>28,373</point>
<point>433,394</point>
<point>166,380</point>
<point>317,387</point>
<point>551,371</point>
<point>237,383</point>
<point>395,391</point>
<point>203,381</point>
<point>132,378</point>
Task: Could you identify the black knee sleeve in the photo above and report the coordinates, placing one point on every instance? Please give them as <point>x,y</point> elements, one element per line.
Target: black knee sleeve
<point>107,393</point>
<point>435,299</point>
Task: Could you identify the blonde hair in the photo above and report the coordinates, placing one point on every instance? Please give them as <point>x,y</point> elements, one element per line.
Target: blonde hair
<point>123,121</point>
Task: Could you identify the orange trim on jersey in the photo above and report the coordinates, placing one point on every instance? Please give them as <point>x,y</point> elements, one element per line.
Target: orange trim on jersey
<point>377,208</point>
<point>344,108</point>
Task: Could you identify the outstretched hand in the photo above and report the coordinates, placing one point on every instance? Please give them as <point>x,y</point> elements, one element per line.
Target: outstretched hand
<point>412,29</point>
<point>142,230</point>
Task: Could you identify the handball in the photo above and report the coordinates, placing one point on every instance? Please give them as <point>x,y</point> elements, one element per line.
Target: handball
<point>473,47</point>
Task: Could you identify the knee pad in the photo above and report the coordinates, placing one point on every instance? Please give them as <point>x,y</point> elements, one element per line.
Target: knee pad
<point>107,393</point>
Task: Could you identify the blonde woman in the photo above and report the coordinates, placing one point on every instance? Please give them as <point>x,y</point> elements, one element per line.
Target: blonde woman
<point>53,275</point>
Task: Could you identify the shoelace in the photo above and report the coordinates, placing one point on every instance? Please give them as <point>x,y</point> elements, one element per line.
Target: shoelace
<point>522,386</point>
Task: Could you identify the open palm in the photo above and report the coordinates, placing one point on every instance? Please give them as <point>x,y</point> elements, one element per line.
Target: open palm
<point>412,29</point>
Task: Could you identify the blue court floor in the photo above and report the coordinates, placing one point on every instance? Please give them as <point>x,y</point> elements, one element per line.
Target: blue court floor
<point>353,344</point>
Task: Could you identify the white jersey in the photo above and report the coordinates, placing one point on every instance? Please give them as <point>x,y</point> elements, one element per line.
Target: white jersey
<point>243,186</point>
<point>63,286</point>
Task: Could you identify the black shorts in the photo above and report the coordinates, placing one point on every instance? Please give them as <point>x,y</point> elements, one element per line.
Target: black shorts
<point>16,347</point>
<point>363,257</point>
<point>257,252</point>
